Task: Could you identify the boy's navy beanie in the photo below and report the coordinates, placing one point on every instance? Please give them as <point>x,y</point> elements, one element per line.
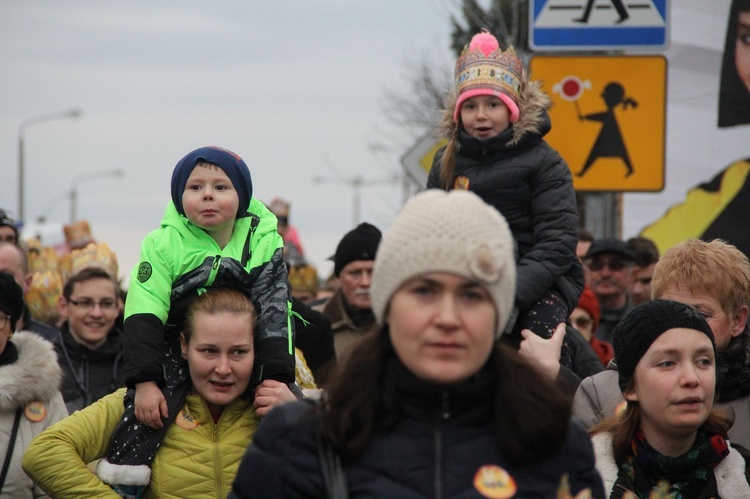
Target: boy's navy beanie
<point>229,162</point>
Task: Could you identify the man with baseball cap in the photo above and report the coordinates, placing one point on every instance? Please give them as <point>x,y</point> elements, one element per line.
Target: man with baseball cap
<point>609,266</point>
<point>350,307</point>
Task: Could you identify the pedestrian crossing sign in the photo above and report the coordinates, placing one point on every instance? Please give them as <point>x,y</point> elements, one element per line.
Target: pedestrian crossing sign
<point>598,24</point>
<point>608,118</point>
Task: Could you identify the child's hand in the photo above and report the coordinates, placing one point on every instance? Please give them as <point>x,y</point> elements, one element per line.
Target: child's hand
<point>269,394</point>
<point>150,404</point>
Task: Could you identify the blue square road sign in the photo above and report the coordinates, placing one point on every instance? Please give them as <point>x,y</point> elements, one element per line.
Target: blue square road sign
<point>589,25</point>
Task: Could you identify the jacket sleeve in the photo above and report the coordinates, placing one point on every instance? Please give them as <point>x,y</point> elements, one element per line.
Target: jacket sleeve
<point>56,411</point>
<point>555,223</point>
<point>597,398</point>
<point>274,330</point>
<point>282,459</point>
<point>56,460</point>
<point>581,463</point>
<point>146,311</point>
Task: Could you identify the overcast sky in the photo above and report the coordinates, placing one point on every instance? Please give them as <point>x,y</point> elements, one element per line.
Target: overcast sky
<point>295,87</point>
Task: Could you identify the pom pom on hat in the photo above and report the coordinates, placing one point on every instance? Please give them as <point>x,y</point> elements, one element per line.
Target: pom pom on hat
<point>229,162</point>
<point>485,42</point>
<point>454,232</point>
<point>633,336</point>
<point>484,69</point>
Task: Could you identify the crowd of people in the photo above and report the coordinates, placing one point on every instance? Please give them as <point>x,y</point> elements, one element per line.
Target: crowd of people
<point>483,345</point>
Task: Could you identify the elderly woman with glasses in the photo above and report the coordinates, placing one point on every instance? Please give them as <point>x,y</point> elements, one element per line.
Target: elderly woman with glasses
<point>29,397</point>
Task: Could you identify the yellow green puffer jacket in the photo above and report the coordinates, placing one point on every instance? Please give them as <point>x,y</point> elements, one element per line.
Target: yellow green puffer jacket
<point>197,458</point>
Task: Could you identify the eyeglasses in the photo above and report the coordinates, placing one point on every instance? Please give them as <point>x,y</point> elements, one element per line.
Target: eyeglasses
<point>88,304</point>
<point>4,319</point>
<point>580,322</point>
<point>616,265</point>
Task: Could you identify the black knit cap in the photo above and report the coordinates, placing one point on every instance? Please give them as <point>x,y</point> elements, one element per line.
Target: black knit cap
<point>11,298</point>
<point>360,243</point>
<point>633,336</point>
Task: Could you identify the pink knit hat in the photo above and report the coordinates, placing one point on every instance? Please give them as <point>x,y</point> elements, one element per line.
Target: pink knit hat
<point>484,69</point>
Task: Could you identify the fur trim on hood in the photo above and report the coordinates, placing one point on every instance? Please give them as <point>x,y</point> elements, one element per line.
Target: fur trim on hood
<point>533,104</point>
<point>35,376</point>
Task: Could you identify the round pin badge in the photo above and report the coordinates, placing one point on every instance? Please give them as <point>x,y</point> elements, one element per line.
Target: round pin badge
<point>35,411</point>
<point>186,421</point>
<point>494,482</point>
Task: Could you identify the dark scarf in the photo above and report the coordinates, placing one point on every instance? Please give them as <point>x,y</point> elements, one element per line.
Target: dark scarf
<point>685,476</point>
<point>733,369</point>
<point>361,318</point>
<point>9,355</point>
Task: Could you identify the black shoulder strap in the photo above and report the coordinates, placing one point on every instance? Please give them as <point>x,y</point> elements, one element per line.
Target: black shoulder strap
<point>11,444</point>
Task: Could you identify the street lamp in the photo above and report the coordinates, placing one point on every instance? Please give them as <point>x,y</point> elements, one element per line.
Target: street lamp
<point>356,183</point>
<point>70,113</point>
<point>117,172</point>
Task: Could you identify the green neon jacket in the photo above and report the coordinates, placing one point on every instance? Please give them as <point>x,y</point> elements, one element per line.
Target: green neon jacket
<point>198,458</point>
<point>178,261</point>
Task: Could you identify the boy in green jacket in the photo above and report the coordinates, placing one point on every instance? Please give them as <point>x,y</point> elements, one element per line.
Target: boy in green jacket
<point>214,233</point>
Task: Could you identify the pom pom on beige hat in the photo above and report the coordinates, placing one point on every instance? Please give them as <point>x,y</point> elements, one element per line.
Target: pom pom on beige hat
<point>454,232</point>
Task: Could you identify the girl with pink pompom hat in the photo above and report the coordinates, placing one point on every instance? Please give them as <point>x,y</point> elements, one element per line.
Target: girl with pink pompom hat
<point>495,122</point>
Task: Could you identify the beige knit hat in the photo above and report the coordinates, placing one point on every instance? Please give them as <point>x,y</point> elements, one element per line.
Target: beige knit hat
<point>454,232</point>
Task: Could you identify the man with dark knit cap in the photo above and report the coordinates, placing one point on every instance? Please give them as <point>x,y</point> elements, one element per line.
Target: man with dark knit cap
<point>350,308</point>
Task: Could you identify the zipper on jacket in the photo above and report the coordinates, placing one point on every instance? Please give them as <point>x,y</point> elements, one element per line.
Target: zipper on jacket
<point>442,415</point>
<point>218,467</point>
<point>289,328</point>
<point>246,253</point>
<point>214,270</point>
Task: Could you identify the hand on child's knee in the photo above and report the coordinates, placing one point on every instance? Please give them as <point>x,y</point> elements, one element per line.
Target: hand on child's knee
<point>150,404</point>
<point>544,354</point>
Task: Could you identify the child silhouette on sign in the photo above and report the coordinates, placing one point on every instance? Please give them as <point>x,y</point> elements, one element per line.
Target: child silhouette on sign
<point>609,143</point>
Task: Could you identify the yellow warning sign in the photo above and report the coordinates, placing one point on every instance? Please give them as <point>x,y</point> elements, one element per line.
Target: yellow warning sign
<point>608,118</point>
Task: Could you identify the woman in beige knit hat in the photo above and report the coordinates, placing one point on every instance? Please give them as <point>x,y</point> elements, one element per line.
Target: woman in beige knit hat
<point>430,403</point>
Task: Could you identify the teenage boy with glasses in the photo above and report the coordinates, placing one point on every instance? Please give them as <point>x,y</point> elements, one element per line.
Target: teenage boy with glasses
<point>90,348</point>
<point>609,273</point>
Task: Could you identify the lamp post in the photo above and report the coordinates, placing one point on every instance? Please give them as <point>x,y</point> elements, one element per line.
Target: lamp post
<point>117,172</point>
<point>356,183</point>
<point>70,113</point>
